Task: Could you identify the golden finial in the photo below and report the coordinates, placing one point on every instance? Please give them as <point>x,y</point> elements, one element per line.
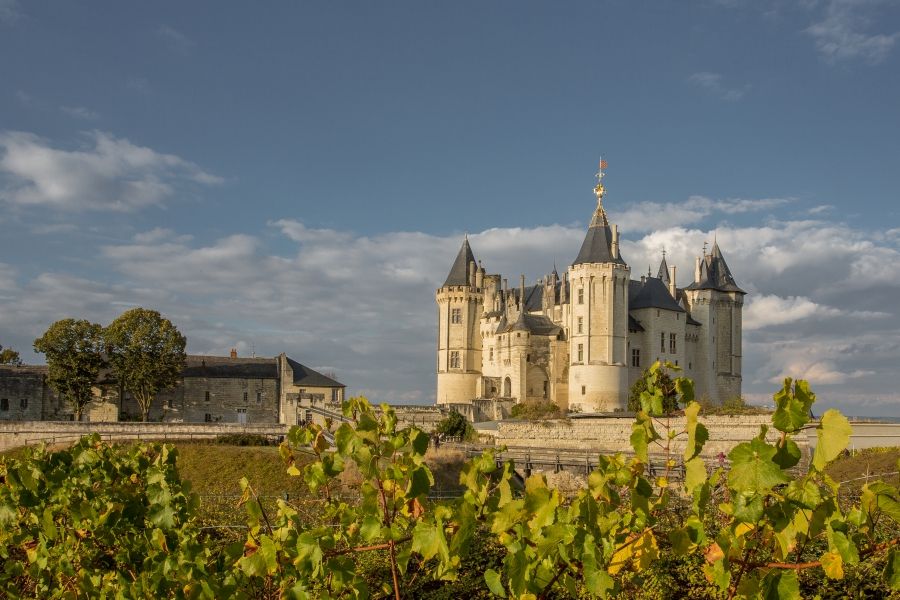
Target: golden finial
<point>599,190</point>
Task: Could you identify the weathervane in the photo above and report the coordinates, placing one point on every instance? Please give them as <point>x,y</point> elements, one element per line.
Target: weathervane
<point>599,190</point>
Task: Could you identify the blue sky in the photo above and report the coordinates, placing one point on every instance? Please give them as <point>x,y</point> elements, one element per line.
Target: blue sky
<point>296,177</point>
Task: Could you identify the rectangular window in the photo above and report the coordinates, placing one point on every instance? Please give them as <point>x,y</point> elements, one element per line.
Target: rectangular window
<point>635,357</point>
<point>4,404</point>
<point>308,416</point>
<point>580,295</point>
<point>23,403</point>
<point>662,342</point>
<point>580,324</point>
<point>259,397</point>
<point>245,397</point>
<point>206,397</point>
<point>672,345</point>
<point>491,354</point>
<point>454,360</point>
<point>207,418</point>
<point>334,394</point>
<point>583,390</point>
<point>580,352</point>
<point>456,315</point>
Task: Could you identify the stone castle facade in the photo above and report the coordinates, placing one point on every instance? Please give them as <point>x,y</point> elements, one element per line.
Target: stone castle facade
<point>211,389</point>
<point>582,339</point>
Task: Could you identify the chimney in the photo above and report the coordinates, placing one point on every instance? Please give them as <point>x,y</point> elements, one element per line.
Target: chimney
<point>472,273</point>
<point>615,241</point>
<point>697,271</point>
<point>234,353</point>
<point>673,289</point>
<point>479,278</point>
<point>522,292</point>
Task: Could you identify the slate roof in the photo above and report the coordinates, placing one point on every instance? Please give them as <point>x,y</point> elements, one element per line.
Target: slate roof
<point>459,272</point>
<point>536,324</point>
<point>663,272</point>
<point>597,245</point>
<point>652,293</point>
<point>715,274</point>
<point>224,366</point>
<point>303,375</point>
<point>634,324</point>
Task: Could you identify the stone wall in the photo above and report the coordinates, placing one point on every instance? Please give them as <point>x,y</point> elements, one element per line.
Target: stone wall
<point>613,434</point>
<point>22,394</point>
<point>23,433</point>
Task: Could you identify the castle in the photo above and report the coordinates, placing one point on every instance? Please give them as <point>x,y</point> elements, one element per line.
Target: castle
<point>581,340</point>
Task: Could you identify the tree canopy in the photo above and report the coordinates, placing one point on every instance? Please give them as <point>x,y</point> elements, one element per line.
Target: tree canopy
<point>74,351</point>
<point>146,353</point>
<point>8,356</point>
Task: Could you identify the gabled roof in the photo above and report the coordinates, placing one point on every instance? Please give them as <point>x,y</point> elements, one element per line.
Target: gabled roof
<point>305,376</point>
<point>597,245</point>
<point>715,274</point>
<point>459,272</point>
<point>651,293</point>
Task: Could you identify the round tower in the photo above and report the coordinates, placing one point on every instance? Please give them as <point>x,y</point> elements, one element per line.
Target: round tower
<point>460,305</point>
<point>598,317</point>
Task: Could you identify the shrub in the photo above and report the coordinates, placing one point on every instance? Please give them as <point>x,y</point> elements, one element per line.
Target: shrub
<point>245,439</point>
<point>535,411</point>
<point>455,425</point>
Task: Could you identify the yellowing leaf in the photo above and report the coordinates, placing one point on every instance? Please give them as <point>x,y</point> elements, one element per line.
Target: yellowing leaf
<point>833,435</point>
<point>833,565</point>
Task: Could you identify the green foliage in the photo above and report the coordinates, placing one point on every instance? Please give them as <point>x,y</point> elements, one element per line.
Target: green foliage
<point>731,406</point>
<point>536,410</point>
<point>146,352</point>
<point>74,351</point>
<point>8,356</point>
<point>455,425</point>
<point>658,381</point>
<point>245,439</point>
<point>94,521</point>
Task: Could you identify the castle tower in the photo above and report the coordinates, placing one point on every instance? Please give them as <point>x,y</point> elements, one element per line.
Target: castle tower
<point>598,318</point>
<point>717,302</point>
<point>460,306</point>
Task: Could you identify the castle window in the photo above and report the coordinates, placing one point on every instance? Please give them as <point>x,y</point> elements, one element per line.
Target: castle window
<point>259,397</point>
<point>206,396</point>
<point>580,324</point>
<point>456,315</point>
<point>662,342</point>
<point>491,354</point>
<point>207,418</point>
<point>245,397</point>
<point>4,404</point>
<point>583,390</point>
<point>454,360</point>
<point>23,403</point>
<point>334,394</point>
<point>635,357</point>
<point>690,365</point>
<point>672,345</point>
<point>580,352</point>
<point>580,295</point>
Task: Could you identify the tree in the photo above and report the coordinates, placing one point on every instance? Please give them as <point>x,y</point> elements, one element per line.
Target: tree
<point>74,351</point>
<point>8,356</point>
<point>146,352</point>
<point>454,425</point>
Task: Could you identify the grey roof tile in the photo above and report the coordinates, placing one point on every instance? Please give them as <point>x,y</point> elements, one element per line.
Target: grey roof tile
<point>459,272</point>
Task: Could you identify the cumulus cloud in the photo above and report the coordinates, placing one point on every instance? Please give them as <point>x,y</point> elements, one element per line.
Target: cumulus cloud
<point>364,305</point>
<point>714,84</point>
<point>105,173</point>
<point>652,216</point>
<point>843,33</point>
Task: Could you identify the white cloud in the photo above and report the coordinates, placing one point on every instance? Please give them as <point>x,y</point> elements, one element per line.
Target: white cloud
<point>841,33</point>
<point>772,311</point>
<point>106,173</point>
<point>713,83</point>
<point>176,40</point>
<point>80,112</point>
<point>652,216</point>
<point>9,11</point>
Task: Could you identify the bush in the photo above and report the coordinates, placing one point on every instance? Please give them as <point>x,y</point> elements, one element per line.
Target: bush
<point>536,411</point>
<point>731,406</point>
<point>245,439</point>
<point>455,425</point>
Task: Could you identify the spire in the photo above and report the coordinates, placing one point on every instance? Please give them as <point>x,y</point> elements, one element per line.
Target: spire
<point>459,272</point>
<point>663,272</point>
<point>598,243</point>
<point>714,273</point>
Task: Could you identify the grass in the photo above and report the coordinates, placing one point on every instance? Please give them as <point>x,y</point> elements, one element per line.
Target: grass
<point>217,469</point>
<point>872,462</point>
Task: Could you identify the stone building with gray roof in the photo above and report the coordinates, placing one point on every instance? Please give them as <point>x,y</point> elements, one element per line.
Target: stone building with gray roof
<point>218,389</point>
<point>582,339</point>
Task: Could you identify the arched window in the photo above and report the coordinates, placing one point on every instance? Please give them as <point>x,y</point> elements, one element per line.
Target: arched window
<point>507,388</point>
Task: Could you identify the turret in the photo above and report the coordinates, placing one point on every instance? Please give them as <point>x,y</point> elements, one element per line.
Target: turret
<point>598,327</point>
<point>460,305</point>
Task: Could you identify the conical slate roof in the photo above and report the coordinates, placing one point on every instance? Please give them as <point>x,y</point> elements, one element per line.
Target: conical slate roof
<point>715,274</point>
<point>597,245</point>
<point>459,272</point>
<point>663,273</point>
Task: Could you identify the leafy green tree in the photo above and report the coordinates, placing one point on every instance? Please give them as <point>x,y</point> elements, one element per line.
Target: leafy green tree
<point>656,379</point>
<point>74,351</point>
<point>146,352</point>
<point>8,356</point>
<point>535,410</point>
<point>454,425</point>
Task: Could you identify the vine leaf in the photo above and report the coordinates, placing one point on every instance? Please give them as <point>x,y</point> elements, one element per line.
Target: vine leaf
<point>833,565</point>
<point>792,406</point>
<point>492,578</point>
<point>833,435</point>
<point>752,469</point>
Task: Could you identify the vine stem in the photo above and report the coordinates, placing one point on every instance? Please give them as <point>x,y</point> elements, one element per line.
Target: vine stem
<point>383,546</point>
<point>814,563</point>
<point>562,569</point>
